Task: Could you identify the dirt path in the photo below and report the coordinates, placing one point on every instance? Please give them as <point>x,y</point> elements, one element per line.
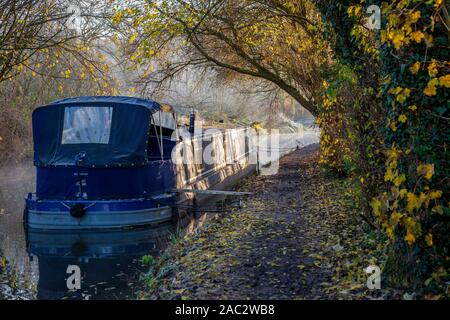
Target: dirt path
<point>296,238</point>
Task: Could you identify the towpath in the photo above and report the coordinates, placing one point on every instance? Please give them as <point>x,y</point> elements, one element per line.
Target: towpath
<point>298,237</point>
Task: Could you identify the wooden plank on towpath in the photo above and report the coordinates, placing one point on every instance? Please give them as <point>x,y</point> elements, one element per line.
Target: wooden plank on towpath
<point>214,192</point>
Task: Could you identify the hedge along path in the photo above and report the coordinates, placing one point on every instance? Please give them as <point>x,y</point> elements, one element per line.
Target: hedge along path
<point>296,238</point>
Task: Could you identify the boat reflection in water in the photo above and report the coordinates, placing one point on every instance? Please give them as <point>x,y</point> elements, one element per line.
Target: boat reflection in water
<point>109,261</point>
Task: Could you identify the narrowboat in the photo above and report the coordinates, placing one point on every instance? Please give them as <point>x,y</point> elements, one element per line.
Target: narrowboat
<point>106,162</point>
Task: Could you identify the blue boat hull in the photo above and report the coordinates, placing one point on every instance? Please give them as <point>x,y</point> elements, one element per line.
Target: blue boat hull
<point>105,214</point>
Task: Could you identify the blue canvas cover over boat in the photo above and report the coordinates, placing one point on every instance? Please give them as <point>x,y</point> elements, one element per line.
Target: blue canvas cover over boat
<point>120,160</point>
<point>111,131</point>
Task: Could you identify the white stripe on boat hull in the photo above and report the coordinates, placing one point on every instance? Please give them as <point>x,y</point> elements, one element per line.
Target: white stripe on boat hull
<point>98,220</point>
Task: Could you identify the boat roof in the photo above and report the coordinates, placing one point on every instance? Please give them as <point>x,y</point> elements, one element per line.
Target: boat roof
<point>116,136</point>
<point>88,100</point>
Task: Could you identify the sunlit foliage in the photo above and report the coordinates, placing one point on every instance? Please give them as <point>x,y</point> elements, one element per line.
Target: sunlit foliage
<point>379,96</point>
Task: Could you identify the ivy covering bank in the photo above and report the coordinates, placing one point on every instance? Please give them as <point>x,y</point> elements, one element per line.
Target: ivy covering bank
<point>393,133</point>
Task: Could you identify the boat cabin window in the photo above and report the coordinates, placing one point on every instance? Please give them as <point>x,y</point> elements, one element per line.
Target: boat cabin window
<point>162,126</point>
<point>163,122</point>
<point>86,125</point>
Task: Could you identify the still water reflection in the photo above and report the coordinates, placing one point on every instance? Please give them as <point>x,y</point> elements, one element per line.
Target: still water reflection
<point>109,261</point>
<point>33,265</point>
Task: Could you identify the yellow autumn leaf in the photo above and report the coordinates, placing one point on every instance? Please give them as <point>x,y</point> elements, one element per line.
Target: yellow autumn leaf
<point>444,81</point>
<point>390,233</point>
<point>402,193</point>
<point>427,170</point>
<point>436,194</point>
<point>395,90</point>
<point>432,68</point>
<point>414,16</point>
<point>389,175</point>
<point>134,56</point>
<point>132,38</point>
<point>415,68</point>
<point>393,126</point>
<point>410,238</point>
<point>429,239</point>
<point>413,202</point>
<point>396,216</point>
<point>430,89</point>
<point>402,96</point>
<point>398,39</point>
<point>429,40</point>
<point>407,28</point>
<point>402,118</point>
<point>399,180</point>
<point>117,18</point>
<point>417,36</point>
<point>376,205</point>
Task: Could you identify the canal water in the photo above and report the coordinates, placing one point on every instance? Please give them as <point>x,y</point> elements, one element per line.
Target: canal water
<point>37,265</point>
<point>34,265</point>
